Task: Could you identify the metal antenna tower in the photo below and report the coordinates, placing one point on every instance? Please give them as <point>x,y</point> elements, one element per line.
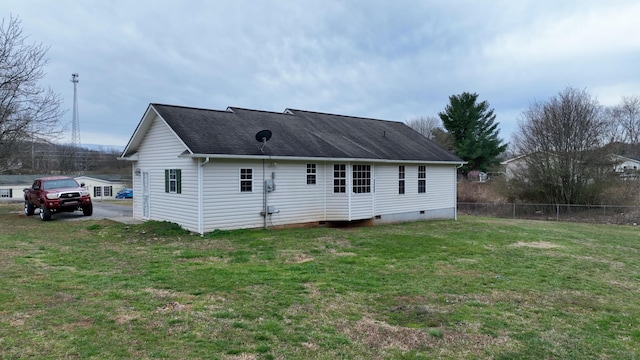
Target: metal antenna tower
<point>75,134</point>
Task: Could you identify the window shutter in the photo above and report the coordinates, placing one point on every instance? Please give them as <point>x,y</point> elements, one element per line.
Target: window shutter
<point>10,193</point>
<point>179,181</point>
<point>166,180</point>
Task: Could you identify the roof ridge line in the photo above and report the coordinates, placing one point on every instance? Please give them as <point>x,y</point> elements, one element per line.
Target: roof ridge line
<point>230,108</point>
<point>339,115</point>
<point>187,107</point>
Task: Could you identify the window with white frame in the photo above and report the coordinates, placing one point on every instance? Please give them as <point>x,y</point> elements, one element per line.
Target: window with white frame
<point>422,179</point>
<point>107,191</point>
<point>361,179</point>
<point>173,181</point>
<point>246,180</point>
<point>311,174</point>
<point>339,178</point>
<point>401,175</point>
<point>97,191</point>
<point>6,193</point>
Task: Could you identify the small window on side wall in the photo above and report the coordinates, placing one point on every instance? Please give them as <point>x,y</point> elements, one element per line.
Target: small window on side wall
<point>401,179</point>
<point>339,178</point>
<point>173,181</point>
<point>246,180</point>
<point>422,179</point>
<point>311,174</point>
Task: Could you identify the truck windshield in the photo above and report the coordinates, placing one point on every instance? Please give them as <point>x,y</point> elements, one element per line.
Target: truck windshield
<point>59,184</point>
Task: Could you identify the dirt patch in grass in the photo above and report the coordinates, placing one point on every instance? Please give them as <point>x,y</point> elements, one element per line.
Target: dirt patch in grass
<point>536,244</point>
<point>173,306</point>
<point>294,257</point>
<point>334,240</point>
<point>452,270</point>
<point>381,336</point>
<point>126,315</point>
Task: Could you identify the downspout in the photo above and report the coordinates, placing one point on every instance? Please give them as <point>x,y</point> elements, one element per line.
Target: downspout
<point>455,192</point>
<point>264,195</point>
<point>201,196</point>
<point>326,189</point>
<point>348,187</point>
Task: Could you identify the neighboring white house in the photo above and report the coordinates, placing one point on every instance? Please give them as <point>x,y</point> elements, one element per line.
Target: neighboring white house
<point>626,167</point>
<point>513,166</point>
<point>100,186</point>
<point>12,186</point>
<point>209,169</point>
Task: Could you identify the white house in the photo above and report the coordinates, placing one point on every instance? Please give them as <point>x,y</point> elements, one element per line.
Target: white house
<point>101,187</point>
<point>11,186</point>
<point>239,168</point>
<point>513,166</point>
<point>627,167</point>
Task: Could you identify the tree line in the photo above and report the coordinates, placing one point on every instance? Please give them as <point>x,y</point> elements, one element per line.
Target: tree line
<point>565,144</point>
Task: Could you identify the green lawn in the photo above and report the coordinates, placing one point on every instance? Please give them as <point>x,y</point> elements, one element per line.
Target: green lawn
<point>475,288</point>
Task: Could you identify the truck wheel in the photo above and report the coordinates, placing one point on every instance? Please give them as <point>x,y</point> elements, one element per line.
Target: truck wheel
<point>45,214</point>
<point>87,210</point>
<point>29,209</point>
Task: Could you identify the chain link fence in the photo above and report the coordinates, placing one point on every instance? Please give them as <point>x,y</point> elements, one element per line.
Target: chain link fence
<point>602,214</point>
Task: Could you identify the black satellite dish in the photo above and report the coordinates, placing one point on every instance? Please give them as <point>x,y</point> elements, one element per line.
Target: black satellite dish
<point>263,136</point>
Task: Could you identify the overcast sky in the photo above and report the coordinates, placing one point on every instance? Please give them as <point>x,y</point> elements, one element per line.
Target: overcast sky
<point>392,60</point>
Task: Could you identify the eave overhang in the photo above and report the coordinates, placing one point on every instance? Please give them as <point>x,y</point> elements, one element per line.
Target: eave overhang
<point>298,158</point>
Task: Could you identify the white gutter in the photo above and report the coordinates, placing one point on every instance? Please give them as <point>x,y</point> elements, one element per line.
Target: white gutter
<point>301,158</point>
<point>201,196</point>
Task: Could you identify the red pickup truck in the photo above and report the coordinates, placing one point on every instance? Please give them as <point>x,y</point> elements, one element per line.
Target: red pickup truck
<point>56,194</point>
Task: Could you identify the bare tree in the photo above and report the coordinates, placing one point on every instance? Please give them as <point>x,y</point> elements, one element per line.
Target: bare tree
<point>431,127</point>
<point>28,112</point>
<point>627,115</point>
<point>425,125</point>
<point>562,141</point>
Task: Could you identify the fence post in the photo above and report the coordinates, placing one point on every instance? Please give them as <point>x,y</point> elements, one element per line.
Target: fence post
<point>557,212</point>
<point>514,211</point>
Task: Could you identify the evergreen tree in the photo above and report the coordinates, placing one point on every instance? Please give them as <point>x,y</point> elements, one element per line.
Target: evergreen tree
<point>474,131</point>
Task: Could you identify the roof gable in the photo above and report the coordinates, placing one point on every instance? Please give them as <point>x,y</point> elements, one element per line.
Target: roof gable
<point>296,133</point>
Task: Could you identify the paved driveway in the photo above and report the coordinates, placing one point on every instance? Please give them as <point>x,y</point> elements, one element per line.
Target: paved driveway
<point>101,210</point>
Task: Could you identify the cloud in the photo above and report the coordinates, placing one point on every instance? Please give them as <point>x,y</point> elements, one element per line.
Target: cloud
<point>389,60</point>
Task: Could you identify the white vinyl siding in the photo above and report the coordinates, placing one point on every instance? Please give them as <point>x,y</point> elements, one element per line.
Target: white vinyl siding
<point>160,151</point>
<point>227,208</point>
<point>441,192</point>
<point>440,195</point>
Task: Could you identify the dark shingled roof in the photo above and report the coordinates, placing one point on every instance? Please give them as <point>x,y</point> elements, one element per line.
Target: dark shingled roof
<point>298,133</point>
